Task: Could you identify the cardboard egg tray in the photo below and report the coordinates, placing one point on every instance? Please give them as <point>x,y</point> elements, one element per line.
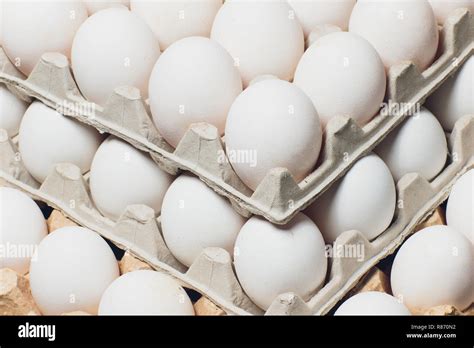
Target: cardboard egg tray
<point>278,197</point>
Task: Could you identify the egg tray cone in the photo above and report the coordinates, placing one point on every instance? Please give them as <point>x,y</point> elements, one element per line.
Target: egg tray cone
<point>278,197</point>
<point>212,273</point>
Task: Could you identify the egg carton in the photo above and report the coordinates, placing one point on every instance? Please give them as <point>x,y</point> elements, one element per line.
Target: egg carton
<point>212,273</point>
<point>278,197</point>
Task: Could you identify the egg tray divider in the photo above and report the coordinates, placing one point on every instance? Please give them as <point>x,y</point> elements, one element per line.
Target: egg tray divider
<point>278,197</point>
<point>212,273</point>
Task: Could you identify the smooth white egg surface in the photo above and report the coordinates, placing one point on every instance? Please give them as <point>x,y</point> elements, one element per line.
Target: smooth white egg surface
<point>263,37</point>
<point>12,110</point>
<point>344,76</point>
<point>364,200</point>
<point>273,259</point>
<point>418,145</point>
<point>113,48</point>
<point>47,138</point>
<point>73,267</point>
<point>22,227</point>
<point>453,99</point>
<point>32,27</point>
<point>372,303</point>
<point>194,80</point>
<point>444,8</point>
<point>174,20</point>
<point>96,5</point>
<point>121,175</point>
<point>460,207</point>
<point>434,267</point>
<point>145,292</point>
<point>272,124</point>
<point>194,217</point>
<point>399,30</point>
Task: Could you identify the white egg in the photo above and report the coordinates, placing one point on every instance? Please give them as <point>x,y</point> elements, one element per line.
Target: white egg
<point>453,99</point>
<point>47,138</point>
<point>12,110</point>
<point>96,5</point>
<point>263,37</point>
<point>113,48</point>
<point>72,269</point>
<point>32,27</point>
<point>434,267</point>
<point>22,227</point>
<point>372,303</point>
<point>312,13</point>
<point>344,76</point>
<point>443,8</point>
<point>418,145</point>
<point>174,20</point>
<point>194,80</point>
<point>189,226</point>
<point>145,292</point>
<point>121,175</point>
<point>261,128</point>
<point>460,208</point>
<point>399,30</point>
<point>273,259</point>
<point>364,200</point>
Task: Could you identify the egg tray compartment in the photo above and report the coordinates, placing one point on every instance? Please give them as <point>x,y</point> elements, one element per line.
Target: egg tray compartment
<point>212,273</point>
<point>278,197</point>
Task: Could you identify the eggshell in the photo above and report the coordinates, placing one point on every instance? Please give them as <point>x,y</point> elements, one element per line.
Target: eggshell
<point>11,111</point>
<point>31,28</point>
<point>263,37</point>
<point>22,227</point>
<point>399,30</point>
<point>121,175</point>
<point>73,267</point>
<point>145,292</point>
<point>434,267</point>
<point>194,80</point>
<point>96,5</point>
<point>418,145</point>
<point>272,124</point>
<point>312,13</point>
<point>344,76</point>
<point>174,20</point>
<point>460,208</point>
<point>372,303</point>
<point>364,200</point>
<point>194,217</point>
<point>453,99</point>
<point>113,48</point>
<point>273,259</point>
<point>443,8</point>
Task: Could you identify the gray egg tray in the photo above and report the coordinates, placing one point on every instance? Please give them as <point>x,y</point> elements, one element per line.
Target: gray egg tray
<point>278,197</point>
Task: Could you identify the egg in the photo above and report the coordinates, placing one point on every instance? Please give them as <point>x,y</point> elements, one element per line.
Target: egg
<point>434,267</point>
<point>11,111</point>
<point>372,303</point>
<point>344,76</point>
<point>113,48</point>
<point>194,80</point>
<point>174,20</point>
<point>312,13</point>
<point>263,37</point>
<point>399,30</point>
<point>145,292</point>
<point>274,259</point>
<point>261,128</point>
<point>32,27</point>
<point>364,200</point>
<point>121,175</point>
<point>96,5</point>
<point>47,138</point>
<point>460,208</point>
<point>453,99</point>
<point>73,266</point>
<point>22,228</point>
<point>443,8</point>
<point>418,145</point>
